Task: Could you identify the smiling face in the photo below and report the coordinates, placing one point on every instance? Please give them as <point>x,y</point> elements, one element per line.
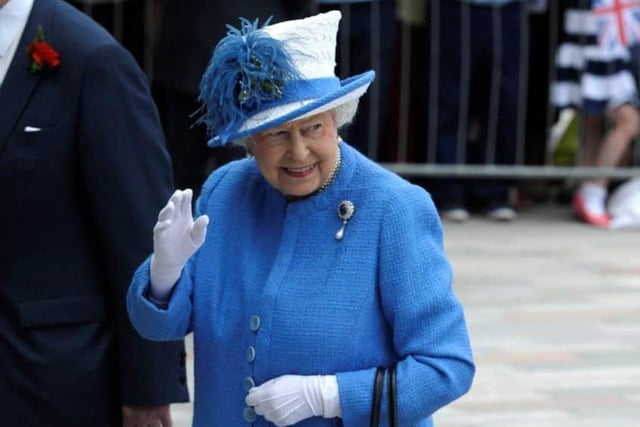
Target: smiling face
<point>296,158</point>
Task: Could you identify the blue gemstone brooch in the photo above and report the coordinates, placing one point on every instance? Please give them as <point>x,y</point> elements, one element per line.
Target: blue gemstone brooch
<point>345,212</point>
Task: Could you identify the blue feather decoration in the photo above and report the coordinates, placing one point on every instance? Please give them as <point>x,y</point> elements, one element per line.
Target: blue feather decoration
<point>248,68</point>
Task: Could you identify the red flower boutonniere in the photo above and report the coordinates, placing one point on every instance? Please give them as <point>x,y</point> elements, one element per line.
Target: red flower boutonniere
<point>41,54</point>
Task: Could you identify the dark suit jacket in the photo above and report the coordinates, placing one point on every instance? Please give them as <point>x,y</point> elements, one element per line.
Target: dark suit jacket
<point>190,29</point>
<point>78,201</point>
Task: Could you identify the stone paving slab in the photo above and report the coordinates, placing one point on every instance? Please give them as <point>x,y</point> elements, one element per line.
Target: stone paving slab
<point>553,308</point>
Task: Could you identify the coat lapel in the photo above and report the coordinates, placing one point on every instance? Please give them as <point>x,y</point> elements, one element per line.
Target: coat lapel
<point>19,83</point>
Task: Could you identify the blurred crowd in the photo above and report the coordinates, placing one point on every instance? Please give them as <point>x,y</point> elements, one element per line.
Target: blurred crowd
<point>457,83</point>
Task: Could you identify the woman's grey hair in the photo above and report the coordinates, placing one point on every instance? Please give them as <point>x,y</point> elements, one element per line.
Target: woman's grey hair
<point>343,115</point>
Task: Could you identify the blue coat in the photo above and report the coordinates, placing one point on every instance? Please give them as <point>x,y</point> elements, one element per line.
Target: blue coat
<point>273,292</point>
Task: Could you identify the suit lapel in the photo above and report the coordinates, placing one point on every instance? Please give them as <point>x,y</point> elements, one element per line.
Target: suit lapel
<point>19,82</point>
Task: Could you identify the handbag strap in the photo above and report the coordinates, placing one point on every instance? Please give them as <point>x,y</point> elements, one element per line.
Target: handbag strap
<point>377,397</point>
<point>393,400</point>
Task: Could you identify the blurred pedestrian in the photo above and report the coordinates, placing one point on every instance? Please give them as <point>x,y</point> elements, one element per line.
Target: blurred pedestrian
<point>480,72</point>
<point>83,170</point>
<point>595,75</point>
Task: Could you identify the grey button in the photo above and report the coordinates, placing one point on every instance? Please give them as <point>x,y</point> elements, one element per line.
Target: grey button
<point>248,383</point>
<point>254,323</point>
<point>249,414</point>
<point>251,353</point>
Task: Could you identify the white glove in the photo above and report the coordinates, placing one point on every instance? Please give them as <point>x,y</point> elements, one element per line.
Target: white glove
<point>288,399</point>
<point>175,238</point>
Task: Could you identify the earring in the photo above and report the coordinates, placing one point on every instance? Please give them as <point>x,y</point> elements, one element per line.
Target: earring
<point>249,152</point>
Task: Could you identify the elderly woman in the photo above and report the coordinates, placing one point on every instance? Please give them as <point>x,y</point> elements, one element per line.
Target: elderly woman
<point>318,265</point>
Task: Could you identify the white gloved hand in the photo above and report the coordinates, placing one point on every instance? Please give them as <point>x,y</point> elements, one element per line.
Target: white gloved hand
<point>175,238</point>
<point>289,399</point>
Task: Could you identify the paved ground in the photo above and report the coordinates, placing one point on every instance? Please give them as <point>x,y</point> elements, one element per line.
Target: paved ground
<point>553,308</point>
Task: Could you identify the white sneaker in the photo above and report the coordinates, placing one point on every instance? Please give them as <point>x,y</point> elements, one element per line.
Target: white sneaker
<point>455,215</point>
<point>503,214</point>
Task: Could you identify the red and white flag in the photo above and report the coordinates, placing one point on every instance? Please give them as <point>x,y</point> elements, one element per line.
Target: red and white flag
<point>618,22</point>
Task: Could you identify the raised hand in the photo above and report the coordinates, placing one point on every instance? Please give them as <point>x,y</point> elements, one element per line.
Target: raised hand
<point>176,236</point>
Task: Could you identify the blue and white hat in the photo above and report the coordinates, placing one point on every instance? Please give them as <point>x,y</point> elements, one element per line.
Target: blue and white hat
<point>259,78</point>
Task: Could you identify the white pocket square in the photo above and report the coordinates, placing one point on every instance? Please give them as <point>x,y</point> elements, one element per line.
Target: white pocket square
<point>31,129</point>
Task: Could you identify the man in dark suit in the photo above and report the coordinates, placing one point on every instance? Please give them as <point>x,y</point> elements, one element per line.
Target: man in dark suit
<point>188,31</point>
<point>83,172</point>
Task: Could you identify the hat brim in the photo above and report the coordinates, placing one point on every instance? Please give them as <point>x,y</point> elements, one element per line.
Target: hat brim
<point>352,88</point>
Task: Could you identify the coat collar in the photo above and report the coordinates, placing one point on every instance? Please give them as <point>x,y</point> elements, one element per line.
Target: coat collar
<point>19,82</point>
<point>340,189</point>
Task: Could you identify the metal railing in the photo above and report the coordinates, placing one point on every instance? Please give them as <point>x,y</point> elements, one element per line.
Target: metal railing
<point>407,143</point>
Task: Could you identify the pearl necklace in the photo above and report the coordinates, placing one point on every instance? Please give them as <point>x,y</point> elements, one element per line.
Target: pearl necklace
<point>334,172</point>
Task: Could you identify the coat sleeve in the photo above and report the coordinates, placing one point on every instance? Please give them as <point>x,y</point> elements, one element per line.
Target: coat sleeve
<point>128,178</point>
<point>160,324</point>
<point>429,334</point>
<point>175,320</point>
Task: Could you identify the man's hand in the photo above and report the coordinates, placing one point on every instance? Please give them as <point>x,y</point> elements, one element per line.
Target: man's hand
<point>146,416</point>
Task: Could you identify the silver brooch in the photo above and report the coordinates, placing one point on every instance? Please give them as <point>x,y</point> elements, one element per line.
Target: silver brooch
<point>345,212</point>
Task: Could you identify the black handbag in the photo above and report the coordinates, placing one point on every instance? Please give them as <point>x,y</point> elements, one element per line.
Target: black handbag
<point>377,397</point>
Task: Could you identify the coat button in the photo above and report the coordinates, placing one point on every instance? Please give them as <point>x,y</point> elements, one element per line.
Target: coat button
<point>249,414</point>
<point>248,383</point>
<point>254,323</point>
<point>251,353</point>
